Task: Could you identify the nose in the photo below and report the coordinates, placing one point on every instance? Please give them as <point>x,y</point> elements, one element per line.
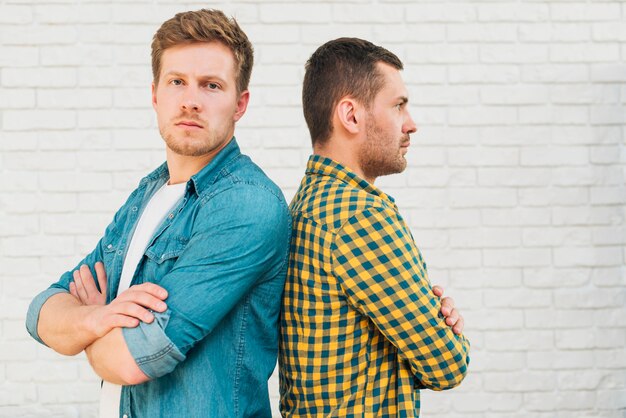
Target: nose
<point>409,126</point>
<point>190,100</point>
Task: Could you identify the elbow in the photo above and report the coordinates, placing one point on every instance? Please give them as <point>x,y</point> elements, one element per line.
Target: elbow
<point>447,377</point>
<point>121,376</point>
<point>66,350</point>
<point>128,375</point>
<point>124,373</point>
<point>133,377</point>
<point>452,379</point>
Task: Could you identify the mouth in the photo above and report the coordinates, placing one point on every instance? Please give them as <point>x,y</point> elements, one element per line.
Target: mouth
<point>188,124</point>
<point>404,145</point>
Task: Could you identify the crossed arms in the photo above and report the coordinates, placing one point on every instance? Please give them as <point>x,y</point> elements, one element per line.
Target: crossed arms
<point>226,255</point>
<point>70,322</point>
<point>81,320</point>
<point>384,276</point>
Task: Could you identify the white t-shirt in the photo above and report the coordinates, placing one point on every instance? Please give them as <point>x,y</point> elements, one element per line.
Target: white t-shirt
<point>153,215</point>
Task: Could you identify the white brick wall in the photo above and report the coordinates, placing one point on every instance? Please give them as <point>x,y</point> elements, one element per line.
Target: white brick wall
<point>515,189</point>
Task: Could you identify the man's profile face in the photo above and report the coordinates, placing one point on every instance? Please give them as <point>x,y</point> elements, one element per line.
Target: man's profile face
<point>388,127</point>
<point>196,99</point>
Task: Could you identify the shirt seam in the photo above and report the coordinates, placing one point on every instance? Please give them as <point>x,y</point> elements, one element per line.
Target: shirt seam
<point>155,356</point>
<point>241,347</point>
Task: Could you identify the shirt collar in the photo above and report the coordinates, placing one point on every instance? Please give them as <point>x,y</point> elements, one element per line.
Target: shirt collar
<point>324,166</point>
<point>205,177</point>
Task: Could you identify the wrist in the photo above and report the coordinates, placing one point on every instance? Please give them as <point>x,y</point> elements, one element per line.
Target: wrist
<point>88,323</point>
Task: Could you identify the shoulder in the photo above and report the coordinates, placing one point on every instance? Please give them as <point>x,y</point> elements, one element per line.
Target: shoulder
<point>242,177</point>
<point>332,203</point>
<point>243,191</point>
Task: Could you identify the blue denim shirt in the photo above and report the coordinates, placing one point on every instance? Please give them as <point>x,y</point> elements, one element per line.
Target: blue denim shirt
<point>221,254</point>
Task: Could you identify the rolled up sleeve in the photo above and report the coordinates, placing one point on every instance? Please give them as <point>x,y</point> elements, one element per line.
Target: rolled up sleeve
<point>153,351</point>
<point>63,284</point>
<point>32,316</point>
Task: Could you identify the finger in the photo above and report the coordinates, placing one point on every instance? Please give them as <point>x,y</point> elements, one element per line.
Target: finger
<point>458,328</point>
<point>153,289</point>
<point>438,290</point>
<point>124,321</point>
<point>453,318</point>
<point>85,272</point>
<point>80,289</point>
<point>447,305</point>
<point>102,277</point>
<point>73,291</point>
<point>88,282</point>
<point>132,309</point>
<point>103,319</point>
<point>142,298</point>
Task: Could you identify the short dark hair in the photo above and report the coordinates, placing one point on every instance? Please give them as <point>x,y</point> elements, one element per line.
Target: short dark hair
<point>204,25</point>
<point>339,68</point>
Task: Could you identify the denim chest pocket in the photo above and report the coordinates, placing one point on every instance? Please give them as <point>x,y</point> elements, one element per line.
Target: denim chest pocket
<point>110,247</point>
<point>162,255</point>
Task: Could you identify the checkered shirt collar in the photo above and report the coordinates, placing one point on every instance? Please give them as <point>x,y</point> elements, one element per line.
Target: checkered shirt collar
<point>323,166</point>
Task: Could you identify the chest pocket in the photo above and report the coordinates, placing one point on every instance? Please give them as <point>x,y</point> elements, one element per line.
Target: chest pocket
<point>161,257</point>
<point>110,247</point>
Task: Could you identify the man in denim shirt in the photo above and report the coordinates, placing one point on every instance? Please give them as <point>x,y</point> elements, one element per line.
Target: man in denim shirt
<point>201,247</point>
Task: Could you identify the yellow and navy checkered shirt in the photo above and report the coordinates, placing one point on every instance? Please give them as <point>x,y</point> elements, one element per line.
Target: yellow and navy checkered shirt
<point>361,330</point>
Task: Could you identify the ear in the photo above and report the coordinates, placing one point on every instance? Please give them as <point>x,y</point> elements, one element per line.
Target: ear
<point>154,99</point>
<point>242,105</point>
<point>348,115</point>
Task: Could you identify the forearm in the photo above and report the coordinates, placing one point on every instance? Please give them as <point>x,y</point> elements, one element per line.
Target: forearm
<point>62,325</point>
<point>442,362</point>
<point>111,360</point>
<point>384,276</point>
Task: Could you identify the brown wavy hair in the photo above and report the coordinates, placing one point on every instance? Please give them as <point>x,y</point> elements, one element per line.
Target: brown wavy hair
<point>205,25</point>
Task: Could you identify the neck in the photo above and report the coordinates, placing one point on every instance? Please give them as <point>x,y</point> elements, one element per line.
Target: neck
<point>344,154</point>
<point>182,167</point>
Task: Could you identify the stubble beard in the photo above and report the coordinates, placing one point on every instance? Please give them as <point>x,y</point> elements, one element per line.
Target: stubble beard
<point>381,155</point>
<point>190,145</point>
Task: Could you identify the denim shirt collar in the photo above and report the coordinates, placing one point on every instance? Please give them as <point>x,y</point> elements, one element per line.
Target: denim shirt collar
<point>203,178</point>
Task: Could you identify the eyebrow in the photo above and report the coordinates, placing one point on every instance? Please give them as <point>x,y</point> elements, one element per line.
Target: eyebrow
<point>202,78</point>
<point>174,73</point>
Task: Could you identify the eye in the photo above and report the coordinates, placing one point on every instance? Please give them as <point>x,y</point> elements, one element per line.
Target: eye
<point>213,86</point>
<point>176,82</point>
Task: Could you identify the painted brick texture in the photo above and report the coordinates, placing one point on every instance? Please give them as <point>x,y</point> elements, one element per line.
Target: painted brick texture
<point>515,189</point>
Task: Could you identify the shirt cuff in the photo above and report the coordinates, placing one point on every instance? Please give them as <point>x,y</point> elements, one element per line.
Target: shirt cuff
<point>32,316</point>
<point>155,354</point>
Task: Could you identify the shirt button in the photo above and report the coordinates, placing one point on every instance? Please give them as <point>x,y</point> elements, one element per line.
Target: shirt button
<point>134,208</point>
<point>171,215</point>
<point>110,246</point>
<point>119,252</point>
<point>125,416</point>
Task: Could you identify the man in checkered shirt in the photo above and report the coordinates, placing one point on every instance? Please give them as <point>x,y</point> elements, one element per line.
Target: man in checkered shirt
<point>362,330</point>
